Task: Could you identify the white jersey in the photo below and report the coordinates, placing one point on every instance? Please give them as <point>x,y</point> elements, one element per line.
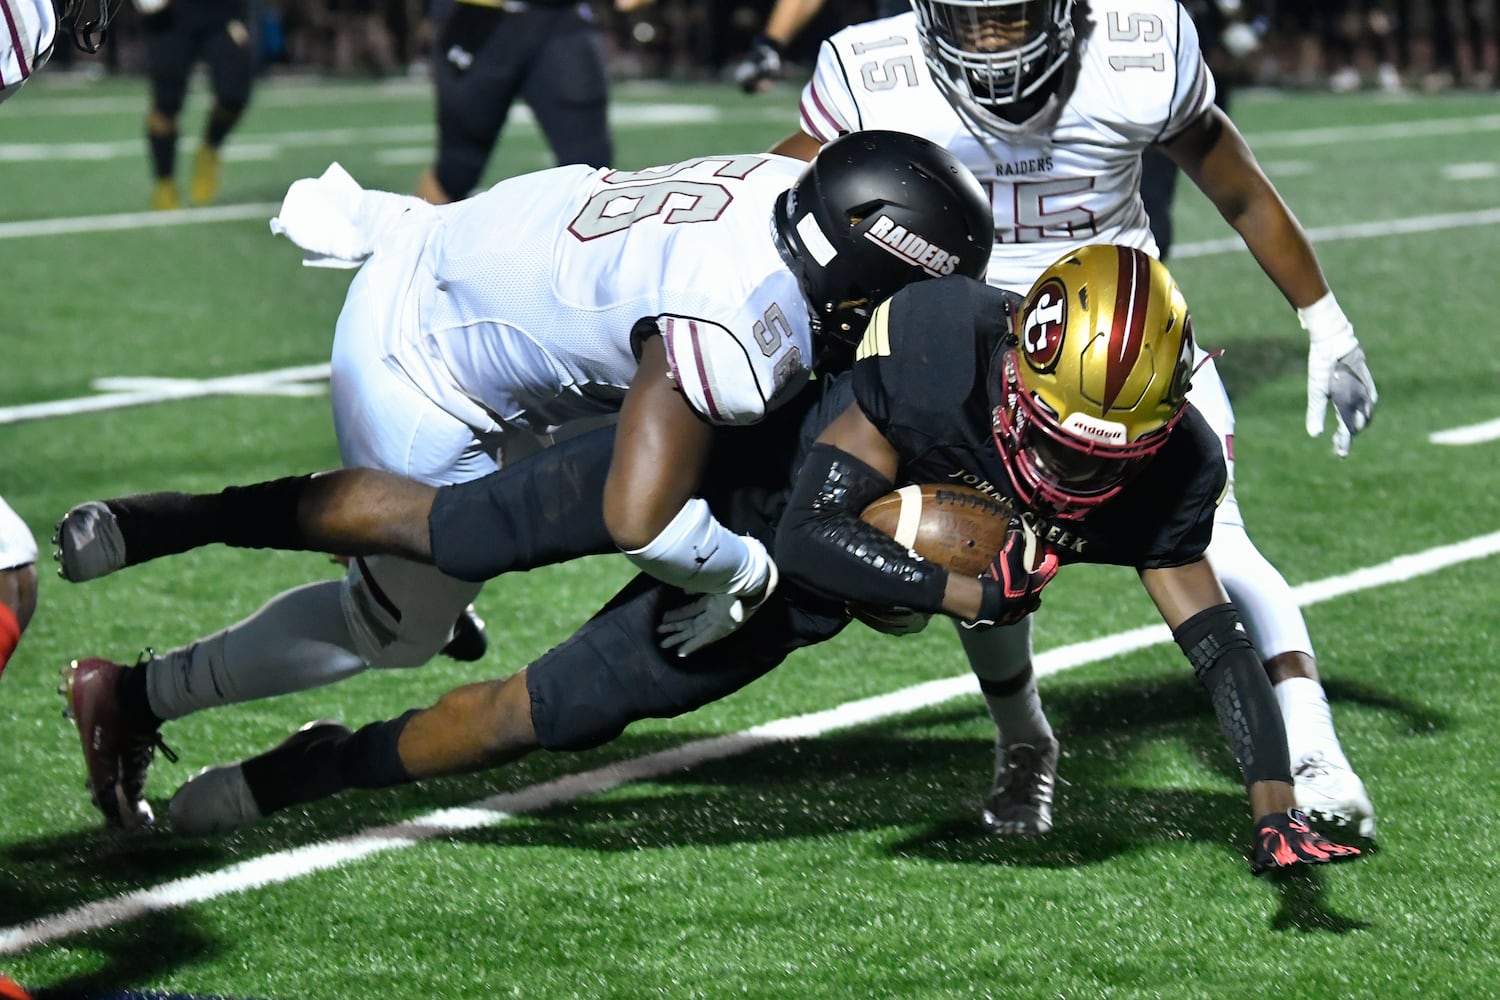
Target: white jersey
<point>1141,79</point>
<point>17,547</point>
<point>28,29</point>
<point>528,301</point>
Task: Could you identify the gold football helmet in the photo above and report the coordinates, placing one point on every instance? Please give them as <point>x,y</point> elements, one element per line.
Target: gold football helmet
<point>1094,379</point>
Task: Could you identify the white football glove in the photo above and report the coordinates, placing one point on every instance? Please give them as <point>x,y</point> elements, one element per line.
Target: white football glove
<point>1336,373</point>
<point>713,616</point>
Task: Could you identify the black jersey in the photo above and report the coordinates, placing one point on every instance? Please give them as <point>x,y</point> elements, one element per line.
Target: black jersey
<point>920,378</point>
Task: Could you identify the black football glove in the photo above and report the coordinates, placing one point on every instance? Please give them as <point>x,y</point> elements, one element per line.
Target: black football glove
<point>1285,840</point>
<point>1013,583</point>
<point>761,65</point>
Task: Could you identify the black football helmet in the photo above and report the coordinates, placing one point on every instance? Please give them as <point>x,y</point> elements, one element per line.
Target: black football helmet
<point>873,212</point>
<point>996,60</point>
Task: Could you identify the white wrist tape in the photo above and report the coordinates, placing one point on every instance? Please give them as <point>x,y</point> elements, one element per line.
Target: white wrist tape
<point>1325,322</point>
<point>697,553</point>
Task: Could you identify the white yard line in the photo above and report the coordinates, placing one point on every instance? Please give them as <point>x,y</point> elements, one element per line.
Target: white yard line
<point>1476,434</point>
<point>269,145</point>
<point>127,221</point>
<point>1479,433</point>
<point>284,866</point>
<point>120,391</point>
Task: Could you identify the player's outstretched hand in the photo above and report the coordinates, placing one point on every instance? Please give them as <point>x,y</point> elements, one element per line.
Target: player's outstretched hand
<point>1286,839</point>
<point>1337,374</point>
<point>1351,390</point>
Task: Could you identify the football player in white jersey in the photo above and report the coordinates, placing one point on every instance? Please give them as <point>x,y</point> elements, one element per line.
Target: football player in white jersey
<point>28,34</point>
<point>1050,103</point>
<point>17,580</point>
<point>681,297</point>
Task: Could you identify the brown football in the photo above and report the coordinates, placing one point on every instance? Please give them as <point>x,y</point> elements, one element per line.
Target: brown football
<point>957,527</point>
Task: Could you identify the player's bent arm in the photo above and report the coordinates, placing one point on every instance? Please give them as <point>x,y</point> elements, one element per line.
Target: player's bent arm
<point>1207,628</point>
<point>1217,159</point>
<point>661,449</point>
<point>1212,152</point>
<point>650,510</point>
<point>799,145</point>
<point>823,544</point>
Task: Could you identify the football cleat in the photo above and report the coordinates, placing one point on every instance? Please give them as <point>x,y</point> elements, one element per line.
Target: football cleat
<point>204,186</point>
<point>117,751</point>
<point>89,543</point>
<point>1020,801</point>
<point>1287,840</point>
<point>1332,794</point>
<point>469,641</point>
<point>218,800</point>
<point>164,196</point>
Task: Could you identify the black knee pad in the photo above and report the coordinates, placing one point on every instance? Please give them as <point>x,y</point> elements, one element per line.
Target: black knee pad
<point>612,671</point>
<point>546,508</point>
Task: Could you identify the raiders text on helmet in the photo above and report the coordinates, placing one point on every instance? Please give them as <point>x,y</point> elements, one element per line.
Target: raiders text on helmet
<point>1095,378</point>
<point>873,212</point>
<point>991,56</point>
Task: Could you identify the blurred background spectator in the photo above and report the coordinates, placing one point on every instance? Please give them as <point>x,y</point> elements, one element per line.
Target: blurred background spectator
<point>1338,45</point>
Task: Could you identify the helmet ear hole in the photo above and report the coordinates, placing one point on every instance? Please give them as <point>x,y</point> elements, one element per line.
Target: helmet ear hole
<point>859,213</point>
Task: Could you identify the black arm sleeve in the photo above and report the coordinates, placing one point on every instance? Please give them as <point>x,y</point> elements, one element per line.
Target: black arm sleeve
<point>823,545</point>
<point>1228,667</point>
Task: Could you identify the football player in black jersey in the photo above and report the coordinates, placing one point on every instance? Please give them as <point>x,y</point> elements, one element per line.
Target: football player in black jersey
<point>1074,415</point>
<point>179,34</point>
<point>486,55</point>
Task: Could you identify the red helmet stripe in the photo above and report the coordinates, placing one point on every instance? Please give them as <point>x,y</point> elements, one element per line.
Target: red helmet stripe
<point>1127,330</point>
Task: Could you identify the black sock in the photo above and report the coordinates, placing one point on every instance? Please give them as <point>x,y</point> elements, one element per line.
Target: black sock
<point>320,764</point>
<point>1007,687</point>
<point>220,123</point>
<point>163,154</point>
<point>130,692</point>
<point>369,758</point>
<point>260,516</point>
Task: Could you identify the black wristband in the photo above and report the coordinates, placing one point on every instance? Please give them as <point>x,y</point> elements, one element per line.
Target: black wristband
<point>996,609</point>
<point>771,44</point>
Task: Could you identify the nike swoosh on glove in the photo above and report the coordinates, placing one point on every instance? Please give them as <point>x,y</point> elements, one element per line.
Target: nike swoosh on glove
<point>1013,583</point>
<point>1286,840</point>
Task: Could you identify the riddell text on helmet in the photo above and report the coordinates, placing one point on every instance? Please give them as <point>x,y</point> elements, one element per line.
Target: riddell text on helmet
<point>902,242</point>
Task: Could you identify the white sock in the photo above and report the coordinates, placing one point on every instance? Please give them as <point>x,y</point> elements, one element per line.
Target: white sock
<point>1308,720</point>
<point>1019,717</point>
<point>297,641</point>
